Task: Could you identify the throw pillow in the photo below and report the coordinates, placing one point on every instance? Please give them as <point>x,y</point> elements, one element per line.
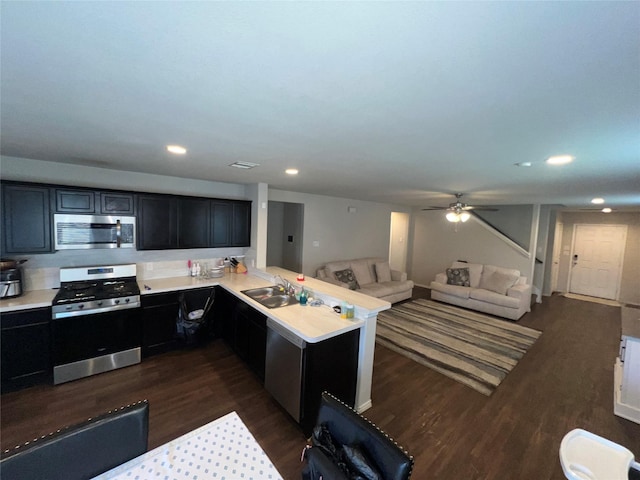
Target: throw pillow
<point>347,276</point>
<point>458,276</point>
<point>383,272</point>
<point>498,282</point>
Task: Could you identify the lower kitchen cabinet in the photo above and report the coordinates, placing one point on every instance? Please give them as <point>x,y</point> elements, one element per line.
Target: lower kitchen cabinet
<point>330,365</point>
<point>243,328</point>
<point>251,337</point>
<point>26,348</point>
<point>159,313</point>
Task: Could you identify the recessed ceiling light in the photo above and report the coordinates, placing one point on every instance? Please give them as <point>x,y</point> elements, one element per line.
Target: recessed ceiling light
<point>606,210</point>
<point>597,200</point>
<point>291,171</point>
<point>177,149</point>
<point>523,164</point>
<point>244,165</point>
<point>560,159</point>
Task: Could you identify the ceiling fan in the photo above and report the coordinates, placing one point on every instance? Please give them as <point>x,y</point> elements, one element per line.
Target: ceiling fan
<point>457,211</point>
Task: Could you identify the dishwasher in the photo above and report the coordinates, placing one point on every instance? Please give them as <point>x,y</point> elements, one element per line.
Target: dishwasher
<point>283,369</point>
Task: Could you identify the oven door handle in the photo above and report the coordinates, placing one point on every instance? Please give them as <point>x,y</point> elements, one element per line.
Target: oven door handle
<point>118,233</point>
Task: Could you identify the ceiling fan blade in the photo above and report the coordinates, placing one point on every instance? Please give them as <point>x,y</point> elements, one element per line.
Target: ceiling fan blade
<point>485,209</point>
<point>436,208</point>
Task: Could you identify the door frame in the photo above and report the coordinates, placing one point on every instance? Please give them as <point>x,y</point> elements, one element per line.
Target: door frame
<point>556,255</point>
<point>622,252</point>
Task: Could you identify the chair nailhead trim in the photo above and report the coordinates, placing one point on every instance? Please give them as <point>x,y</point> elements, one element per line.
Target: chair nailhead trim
<point>25,444</point>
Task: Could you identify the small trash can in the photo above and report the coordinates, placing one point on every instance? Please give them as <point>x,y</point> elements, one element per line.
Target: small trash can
<point>193,325</point>
<point>585,456</point>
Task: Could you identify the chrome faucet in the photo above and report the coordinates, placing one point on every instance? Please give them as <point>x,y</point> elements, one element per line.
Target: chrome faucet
<point>284,283</point>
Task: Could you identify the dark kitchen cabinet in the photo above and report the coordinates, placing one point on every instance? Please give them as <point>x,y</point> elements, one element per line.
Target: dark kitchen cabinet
<point>257,333</point>
<point>241,224</point>
<point>221,212</point>
<point>193,222</point>
<point>243,328</point>
<point>157,222</point>
<point>85,201</point>
<point>117,203</point>
<point>26,353</point>
<point>26,219</point>
<point>223,309</point>
<point>330,365</point>
<point>230,223</point>
<point>75,201</point>
<point>159,314</point>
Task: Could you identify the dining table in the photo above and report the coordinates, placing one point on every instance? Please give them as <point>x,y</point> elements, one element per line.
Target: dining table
<point>223,449</point>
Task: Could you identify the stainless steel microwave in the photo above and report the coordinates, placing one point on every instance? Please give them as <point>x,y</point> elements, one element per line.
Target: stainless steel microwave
<point>93,231</point>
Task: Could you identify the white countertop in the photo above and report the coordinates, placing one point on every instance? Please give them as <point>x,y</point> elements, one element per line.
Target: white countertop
<point>312,324</point>
<point>30,299</point>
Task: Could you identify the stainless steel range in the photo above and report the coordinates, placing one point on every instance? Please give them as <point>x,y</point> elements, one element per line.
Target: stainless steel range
<point>97,323</point>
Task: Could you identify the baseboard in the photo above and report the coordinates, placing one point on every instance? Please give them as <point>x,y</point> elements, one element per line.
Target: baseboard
<point>365,406</point>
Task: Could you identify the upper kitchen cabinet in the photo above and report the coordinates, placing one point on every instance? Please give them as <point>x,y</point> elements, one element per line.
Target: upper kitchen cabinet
<point>241,224</point>
<point>157,222</point>
<point>230,223</point>
<point>193,222</point>
<point>26,219</point>
<point>89,201</point>
<point>75,201</point>
<point>117,203</point>
<point>221,212</point>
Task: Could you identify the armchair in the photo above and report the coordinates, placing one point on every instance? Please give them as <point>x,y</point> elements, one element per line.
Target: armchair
<point>349,429</point>
<point>84,450</point>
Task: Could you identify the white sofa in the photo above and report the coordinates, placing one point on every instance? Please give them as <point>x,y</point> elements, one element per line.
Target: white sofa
<point>494,290</point>
<point>372,277</point>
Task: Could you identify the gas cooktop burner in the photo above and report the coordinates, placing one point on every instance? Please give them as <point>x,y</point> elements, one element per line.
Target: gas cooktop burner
<point>79,286</point>
<point>86,290</point>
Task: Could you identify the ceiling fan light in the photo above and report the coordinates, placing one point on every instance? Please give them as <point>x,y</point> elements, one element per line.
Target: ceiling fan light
<point>464,216</point>
<point>452,217</point>
<point>560,159</point>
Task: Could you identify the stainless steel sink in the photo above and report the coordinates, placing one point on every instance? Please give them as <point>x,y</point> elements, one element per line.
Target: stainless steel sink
<point>271,297</point>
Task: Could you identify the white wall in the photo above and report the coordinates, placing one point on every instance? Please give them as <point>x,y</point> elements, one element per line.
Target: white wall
<point>340,234</point>
<point>275,233</point>
<point>436,244</point>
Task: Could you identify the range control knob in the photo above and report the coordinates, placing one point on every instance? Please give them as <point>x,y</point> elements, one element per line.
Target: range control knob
<point>117,301</point>
<point>99,303</point>
<point>81,306</point>
<point>127,300</point>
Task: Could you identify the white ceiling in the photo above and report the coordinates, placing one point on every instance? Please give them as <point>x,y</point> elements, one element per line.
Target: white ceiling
<point>394,102</point>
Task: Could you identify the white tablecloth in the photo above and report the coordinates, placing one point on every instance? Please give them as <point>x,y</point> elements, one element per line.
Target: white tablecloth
<point>222,449</point>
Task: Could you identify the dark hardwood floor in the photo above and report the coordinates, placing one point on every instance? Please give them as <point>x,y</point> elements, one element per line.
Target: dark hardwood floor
<point>565,381</point>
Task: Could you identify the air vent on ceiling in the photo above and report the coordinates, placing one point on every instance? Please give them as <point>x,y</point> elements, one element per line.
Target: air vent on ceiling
<point>245,165</point>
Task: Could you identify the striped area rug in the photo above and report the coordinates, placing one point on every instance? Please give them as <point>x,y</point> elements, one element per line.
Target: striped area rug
<point>474,349</point>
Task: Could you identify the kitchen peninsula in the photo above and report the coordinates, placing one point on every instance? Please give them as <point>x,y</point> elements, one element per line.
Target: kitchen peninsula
<point>313,325</point>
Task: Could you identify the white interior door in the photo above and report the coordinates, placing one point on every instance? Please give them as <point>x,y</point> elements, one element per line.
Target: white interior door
<point>596,261</point>
<point>398,241</point>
